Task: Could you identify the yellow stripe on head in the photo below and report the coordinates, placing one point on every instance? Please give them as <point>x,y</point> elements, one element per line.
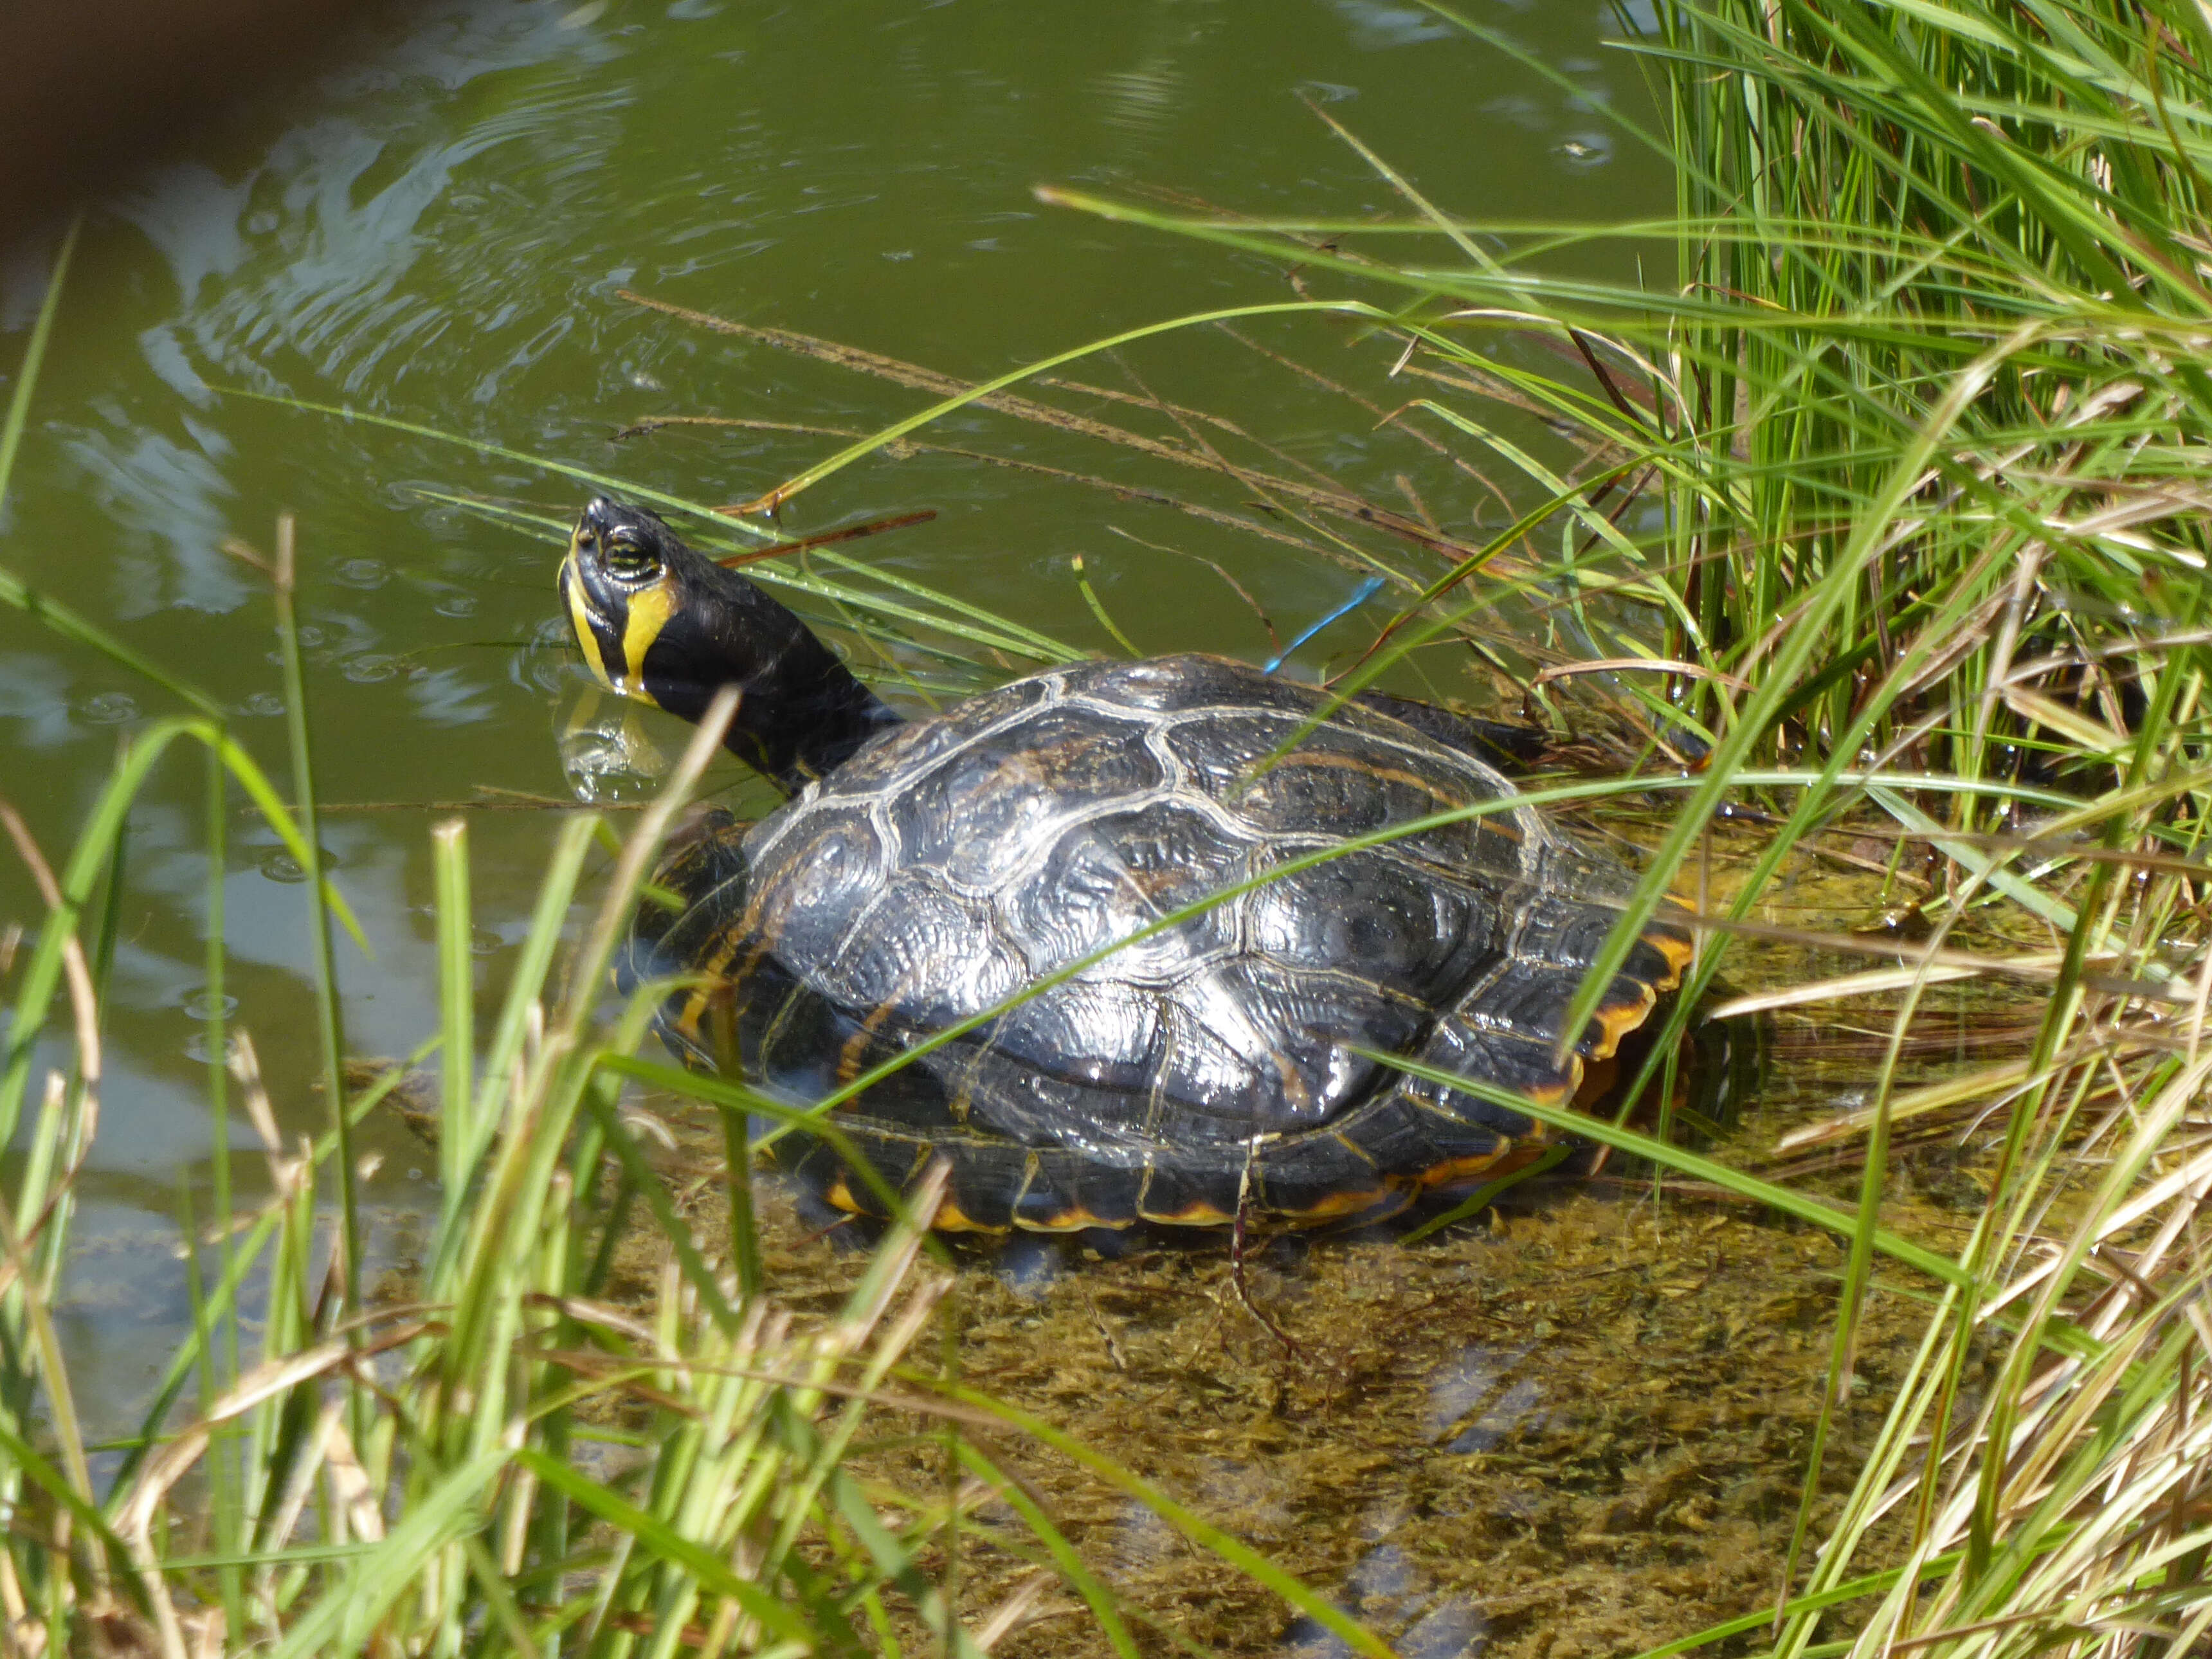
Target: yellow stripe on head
<point>649,610</point>
<point>572,588</point>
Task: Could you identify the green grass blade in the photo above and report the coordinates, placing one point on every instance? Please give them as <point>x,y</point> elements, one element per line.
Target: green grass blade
<point>329,1015</point>
<point>653,1535</point>
<point>1818,1211</point>
<point>457,1131</point>
<point>34,355</point>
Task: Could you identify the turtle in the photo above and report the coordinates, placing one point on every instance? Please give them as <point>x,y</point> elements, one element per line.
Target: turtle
<point>1230,1059</point>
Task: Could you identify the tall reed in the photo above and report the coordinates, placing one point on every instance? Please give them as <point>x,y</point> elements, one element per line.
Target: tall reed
<point>1926,409</point>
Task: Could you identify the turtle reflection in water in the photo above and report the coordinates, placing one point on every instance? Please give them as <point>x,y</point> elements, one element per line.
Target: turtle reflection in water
<point>924,871</point>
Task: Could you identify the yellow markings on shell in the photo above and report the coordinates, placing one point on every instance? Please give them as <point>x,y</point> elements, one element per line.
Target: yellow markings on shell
<point>580,620</point>
<point>951,1218</point>
<point>1558,1094</point>
<point>1196,1214</point>
<point>1459,1169</point>
<point>1616,1020</point>
<point>1073,1219</point>
<point>1677,950</point>
<point>649,610</point>
<point>1350,1201</point>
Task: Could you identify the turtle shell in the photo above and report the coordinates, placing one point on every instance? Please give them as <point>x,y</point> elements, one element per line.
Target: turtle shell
<point>1182,1057</point>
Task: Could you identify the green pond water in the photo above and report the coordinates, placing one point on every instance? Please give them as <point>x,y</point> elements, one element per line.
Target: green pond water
<point>437,232</point>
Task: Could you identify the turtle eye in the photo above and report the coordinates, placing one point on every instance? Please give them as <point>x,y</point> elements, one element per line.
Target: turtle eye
<point>627,559</point>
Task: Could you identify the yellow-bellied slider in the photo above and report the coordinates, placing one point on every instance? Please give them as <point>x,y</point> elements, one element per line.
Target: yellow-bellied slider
<point>924,871</point>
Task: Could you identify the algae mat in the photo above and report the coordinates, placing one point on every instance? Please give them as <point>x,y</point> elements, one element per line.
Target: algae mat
<point>1576,1429</point>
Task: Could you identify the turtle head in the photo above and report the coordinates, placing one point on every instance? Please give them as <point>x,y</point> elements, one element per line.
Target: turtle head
<point>622,582</point>
<point>660,621</point>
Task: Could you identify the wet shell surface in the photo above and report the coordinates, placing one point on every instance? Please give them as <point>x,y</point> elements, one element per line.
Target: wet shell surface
<point>1186,1057</point>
